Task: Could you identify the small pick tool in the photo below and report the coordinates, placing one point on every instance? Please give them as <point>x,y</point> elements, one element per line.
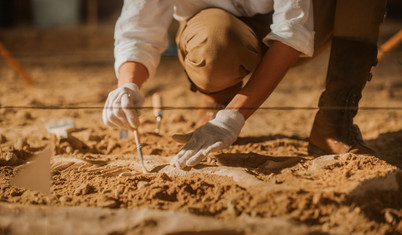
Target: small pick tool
<point>158,112</point>
<point>124,135</point>
<point>139,149</point>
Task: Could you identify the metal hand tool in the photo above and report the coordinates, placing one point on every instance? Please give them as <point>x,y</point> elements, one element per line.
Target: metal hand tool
<point>139,149</point>
<point>158,112</point>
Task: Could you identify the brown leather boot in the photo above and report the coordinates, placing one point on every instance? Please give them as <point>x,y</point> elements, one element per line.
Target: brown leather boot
<point>349,68</point>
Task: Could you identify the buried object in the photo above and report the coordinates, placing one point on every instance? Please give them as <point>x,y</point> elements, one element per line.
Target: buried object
<point>35,175</point>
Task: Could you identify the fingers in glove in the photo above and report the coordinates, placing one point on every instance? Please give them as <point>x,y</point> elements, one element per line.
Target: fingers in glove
<point>111,124</point>
<point>115,120</point>
<point>177,157</point>
<point>108,118</point>
<point>130,113</point>
<point>182,161</point>
<point>106,111</point>
<point>174,160</point>
<point>182,138</point>
<point>213,148</point>
<point>185,153</point>
<point>195,159</point>
<point>118,116</point>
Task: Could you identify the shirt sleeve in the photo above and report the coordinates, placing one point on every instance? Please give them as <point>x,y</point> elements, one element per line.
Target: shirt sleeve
<point>293,25</point>
<point>141,33</point>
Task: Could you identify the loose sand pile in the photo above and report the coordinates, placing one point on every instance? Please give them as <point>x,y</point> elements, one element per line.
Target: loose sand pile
<point>265,183</point>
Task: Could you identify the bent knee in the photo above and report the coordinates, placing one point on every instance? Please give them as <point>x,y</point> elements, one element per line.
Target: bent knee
<point>218,50</point>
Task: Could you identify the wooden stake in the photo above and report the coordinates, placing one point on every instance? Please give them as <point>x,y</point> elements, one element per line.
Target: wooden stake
<point>389,44</point>
<point>13,63</point>
<point>158,112</point>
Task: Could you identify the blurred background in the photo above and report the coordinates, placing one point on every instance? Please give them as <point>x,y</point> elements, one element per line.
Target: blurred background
<point>51,13</point>
<point>60,25</point>
<point>66,48</point>
<point>79,30</point>
<point>32,25</point>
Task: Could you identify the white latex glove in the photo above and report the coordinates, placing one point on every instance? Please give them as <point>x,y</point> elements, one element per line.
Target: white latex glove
<point>215,135</point>
<point>118,111</point>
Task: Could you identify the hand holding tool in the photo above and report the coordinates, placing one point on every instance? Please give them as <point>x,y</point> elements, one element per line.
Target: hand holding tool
<point>122,107</point>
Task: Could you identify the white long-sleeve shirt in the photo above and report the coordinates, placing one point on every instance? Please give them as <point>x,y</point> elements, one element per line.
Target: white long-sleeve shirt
<point>141,30</point>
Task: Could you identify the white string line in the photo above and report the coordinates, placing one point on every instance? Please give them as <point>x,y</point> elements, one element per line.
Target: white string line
<point>55,107</point>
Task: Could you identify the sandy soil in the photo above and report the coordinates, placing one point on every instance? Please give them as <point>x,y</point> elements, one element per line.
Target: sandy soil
<point>265,183</point>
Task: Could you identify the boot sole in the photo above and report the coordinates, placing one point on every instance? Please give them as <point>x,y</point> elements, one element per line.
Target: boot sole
<point>315,151</point>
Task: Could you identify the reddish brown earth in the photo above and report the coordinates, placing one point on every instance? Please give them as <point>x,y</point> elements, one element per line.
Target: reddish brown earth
<point>265,182</point>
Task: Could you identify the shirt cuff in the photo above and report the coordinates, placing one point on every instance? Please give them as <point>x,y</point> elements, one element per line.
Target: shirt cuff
<point>293,35</point>
<point>144,54</point>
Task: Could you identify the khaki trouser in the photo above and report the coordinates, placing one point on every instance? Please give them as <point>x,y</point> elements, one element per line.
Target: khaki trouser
<point>217,49</point>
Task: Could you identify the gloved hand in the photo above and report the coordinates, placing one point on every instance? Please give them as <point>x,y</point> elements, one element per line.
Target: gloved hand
<point>118,111</point>
<point>215,135</point>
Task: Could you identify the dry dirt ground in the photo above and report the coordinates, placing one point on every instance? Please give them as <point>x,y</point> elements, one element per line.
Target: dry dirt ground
<point>265,183</point>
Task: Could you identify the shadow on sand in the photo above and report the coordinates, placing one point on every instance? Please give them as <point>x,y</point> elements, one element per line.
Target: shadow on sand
<point>389,147</point>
